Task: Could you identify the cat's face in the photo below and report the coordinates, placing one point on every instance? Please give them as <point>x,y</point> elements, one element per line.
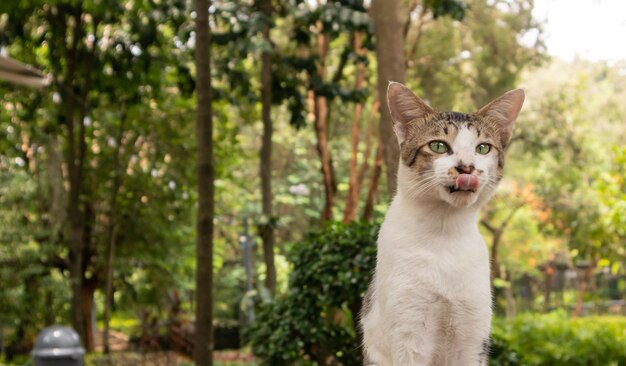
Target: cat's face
<point>453,157</point>
<point>447,156</point>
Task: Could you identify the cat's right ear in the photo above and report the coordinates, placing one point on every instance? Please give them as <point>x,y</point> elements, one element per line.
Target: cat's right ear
<point>405,107</point>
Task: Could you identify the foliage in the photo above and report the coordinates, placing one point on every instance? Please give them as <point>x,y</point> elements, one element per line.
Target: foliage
<point>556,339</point>
<point>576,165</point>
<point>316,317</point>
<point>500,352</point>
<point>612,194</point>
<point>464,64</point>
<point>455,8</point>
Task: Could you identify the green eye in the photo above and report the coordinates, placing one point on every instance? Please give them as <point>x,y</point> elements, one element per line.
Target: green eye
<point>483,149</point>
<point>438,147</point>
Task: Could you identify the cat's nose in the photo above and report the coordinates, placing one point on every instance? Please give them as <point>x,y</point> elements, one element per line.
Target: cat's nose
<point>463,168</point>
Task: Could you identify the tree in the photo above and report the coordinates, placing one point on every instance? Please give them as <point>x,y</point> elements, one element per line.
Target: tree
<point>388,29</point>
<point>112,234</point>
<point>355,178</point>
<point>203,348</point>
<point>267,226</point>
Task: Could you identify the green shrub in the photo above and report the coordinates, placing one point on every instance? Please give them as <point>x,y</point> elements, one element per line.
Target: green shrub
<point>316,318</point>
<point>555,339</point>
<point>500,351</point>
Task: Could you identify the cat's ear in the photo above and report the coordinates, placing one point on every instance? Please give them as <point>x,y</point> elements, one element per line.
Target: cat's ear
<point>405,107</point>
<point>504,111</point>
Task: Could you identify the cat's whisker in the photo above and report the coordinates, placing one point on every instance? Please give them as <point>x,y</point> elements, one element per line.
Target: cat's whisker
<point>422,181</point>
<point>424,187</point>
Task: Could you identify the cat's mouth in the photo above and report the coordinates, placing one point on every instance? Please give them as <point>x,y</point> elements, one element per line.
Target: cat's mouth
<point>453,189</point>
<point>464,183</point>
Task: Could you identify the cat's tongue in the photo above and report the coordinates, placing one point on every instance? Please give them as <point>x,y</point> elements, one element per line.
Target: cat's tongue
<point>466,182</point>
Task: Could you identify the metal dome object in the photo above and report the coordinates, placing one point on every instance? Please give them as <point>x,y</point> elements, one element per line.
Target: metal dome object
<point>58,343</point>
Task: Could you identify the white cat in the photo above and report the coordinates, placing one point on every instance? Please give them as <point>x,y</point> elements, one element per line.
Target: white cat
<point>430,300</point>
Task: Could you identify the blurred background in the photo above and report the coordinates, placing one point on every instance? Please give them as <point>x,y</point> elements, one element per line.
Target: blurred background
<point>102,192</point>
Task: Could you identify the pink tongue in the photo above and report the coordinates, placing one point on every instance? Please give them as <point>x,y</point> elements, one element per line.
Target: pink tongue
<point>466,182</point>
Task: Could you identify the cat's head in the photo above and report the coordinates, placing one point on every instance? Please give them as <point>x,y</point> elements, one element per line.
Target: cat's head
<point>452,157</point>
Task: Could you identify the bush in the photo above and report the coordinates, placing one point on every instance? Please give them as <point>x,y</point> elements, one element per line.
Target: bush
<point>315,320</point>
<point>500,352</point>
<point>555,339</point>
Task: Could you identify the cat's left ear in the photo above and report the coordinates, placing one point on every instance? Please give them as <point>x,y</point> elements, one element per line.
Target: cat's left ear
<point>504,111</point>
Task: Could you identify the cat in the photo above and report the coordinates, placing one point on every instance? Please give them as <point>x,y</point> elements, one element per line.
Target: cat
<point>429,302</point>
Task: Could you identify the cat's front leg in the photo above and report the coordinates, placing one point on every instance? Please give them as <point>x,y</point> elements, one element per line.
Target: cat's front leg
<point>471,344</point>
<point>414,332</point>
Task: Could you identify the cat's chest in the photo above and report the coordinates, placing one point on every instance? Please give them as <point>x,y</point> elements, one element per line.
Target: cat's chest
<point>444,255</point>
<point>452,264</point>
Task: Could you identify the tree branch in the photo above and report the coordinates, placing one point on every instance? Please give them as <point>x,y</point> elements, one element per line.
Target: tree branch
<point>343,60</point>
<point>488,226</point>
<point>418,37</point>
<point>407,25</point>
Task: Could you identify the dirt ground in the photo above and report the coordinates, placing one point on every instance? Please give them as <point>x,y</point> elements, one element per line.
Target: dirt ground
<point>121,355</point>
<point>221,358</point>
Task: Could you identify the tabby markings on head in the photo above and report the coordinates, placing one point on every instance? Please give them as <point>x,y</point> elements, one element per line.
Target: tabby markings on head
<point>444,126</point>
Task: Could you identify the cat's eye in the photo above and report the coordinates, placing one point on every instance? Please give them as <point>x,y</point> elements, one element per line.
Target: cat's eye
<point>439,147</point>
<point>483,149</point>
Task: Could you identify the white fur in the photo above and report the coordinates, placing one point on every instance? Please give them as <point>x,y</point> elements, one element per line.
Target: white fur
<point>431,299</point>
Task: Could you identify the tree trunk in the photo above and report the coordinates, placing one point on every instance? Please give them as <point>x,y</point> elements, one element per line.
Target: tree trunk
<point>108,294</point>
<point>366,157</point>
<point>88,217</point>
<point>585,278</point>
<point>89,284</point>
<point>53,172</point>
<point>87,292</point>
<point>549,273</point>
<point>368,211</point>
<point>203,348</point>
<point>511,306</point>
<point>354,185</point>
<point>72,74</point>
<point>321,129</point>
<point>388,29</point>
<point>74,214</point>
<point>267,227</point>
<point>494,255</point>
<point>76,151</point>
<point>368,141</point>
<point>321,115</point>
<point>112,231</point>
